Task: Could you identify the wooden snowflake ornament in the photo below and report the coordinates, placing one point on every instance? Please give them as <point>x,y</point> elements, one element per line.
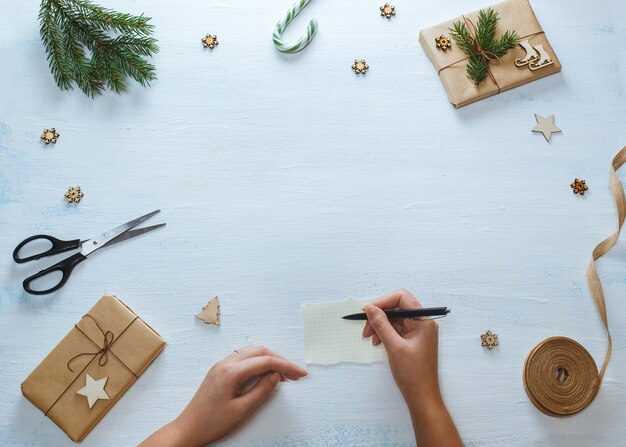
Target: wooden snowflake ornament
<point>209,41</point>
<point>360,66</point>
<point>387,10</point>
<point>489,340</point>
<point>74,194</point>
<point>50,136</point>
<point>443,42</point>
<point>579,187</point>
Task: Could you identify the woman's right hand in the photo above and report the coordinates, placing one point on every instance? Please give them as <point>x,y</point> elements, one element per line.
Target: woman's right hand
<point>412,348</point>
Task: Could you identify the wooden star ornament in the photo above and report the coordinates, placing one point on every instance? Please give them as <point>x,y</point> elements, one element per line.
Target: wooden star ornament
<point>94,390</point>
<point>545,125</point>
<point>211,312</point>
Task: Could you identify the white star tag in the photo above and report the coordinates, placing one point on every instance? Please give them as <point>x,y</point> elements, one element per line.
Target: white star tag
<point>94,390</point>
<point>545,125</point>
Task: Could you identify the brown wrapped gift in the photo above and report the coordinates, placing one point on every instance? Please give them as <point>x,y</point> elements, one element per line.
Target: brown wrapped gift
<point>110,341</point>
<point>515,15</point>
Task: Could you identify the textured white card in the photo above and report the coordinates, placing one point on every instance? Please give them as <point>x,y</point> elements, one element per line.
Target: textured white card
<point>329,339</point>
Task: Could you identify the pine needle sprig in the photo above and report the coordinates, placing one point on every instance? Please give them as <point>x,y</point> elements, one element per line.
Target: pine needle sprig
<point>507,41</point>
<point>486,26</point>
<point>462,37</point>
<point>477,68</point>
<point>94,47</point>
<point>481,44</point>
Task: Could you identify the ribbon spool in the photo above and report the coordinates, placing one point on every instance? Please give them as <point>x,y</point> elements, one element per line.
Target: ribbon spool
<point>560,376</point>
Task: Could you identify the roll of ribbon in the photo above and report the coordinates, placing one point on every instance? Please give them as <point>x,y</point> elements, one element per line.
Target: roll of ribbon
<point>560,376</point>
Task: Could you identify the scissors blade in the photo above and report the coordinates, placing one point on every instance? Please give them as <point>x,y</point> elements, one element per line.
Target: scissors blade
<point>132,233</point>
<point>102,240</point>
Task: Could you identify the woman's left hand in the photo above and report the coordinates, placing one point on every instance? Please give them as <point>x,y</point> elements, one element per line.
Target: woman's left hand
<point>223,400</point>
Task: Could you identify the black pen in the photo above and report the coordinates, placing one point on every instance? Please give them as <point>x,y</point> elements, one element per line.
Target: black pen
<point>405,313</point>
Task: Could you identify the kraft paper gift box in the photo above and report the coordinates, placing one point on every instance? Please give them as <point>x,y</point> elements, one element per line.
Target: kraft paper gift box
<point>109,341</point>
<point>515,15</point>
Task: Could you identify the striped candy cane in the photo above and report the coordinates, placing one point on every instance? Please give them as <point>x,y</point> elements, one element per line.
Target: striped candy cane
<point>285,21</point>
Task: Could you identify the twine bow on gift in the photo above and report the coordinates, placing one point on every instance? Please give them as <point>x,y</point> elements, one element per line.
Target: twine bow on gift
<point>103,352</point>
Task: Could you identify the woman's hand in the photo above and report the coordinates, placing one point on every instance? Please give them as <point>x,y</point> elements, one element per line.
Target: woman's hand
<point>412,348</point>
<point>227,397</point>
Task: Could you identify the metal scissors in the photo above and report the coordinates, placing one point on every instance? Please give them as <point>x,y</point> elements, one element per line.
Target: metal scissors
<point>87,247</point>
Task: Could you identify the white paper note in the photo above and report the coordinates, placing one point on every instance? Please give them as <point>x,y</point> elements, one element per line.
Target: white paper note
<point>329,339</point>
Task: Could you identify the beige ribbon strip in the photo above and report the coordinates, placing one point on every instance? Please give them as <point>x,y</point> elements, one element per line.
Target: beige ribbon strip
<point>560,376</point>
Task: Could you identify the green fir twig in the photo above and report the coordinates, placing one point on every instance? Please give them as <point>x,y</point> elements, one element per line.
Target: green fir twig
<point>484,38</point>
<point>94,47</point>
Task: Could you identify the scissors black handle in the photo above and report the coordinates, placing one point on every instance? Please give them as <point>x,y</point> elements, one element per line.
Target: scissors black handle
<point>58,246</point>
<point>65,267</point>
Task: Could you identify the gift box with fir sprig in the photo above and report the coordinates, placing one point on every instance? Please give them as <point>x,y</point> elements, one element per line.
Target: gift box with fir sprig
<point>489,51</point>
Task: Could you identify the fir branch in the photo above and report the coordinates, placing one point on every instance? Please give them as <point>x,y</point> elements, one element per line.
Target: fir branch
<point>462,37</point>
<point>117,43</point>
<point>52,39</point>
<point>477,69</point>
<point>480,44</point>
<point>507,41</point>
<point>111,20</point>
<point>82,67</point>
<point>486,26</point>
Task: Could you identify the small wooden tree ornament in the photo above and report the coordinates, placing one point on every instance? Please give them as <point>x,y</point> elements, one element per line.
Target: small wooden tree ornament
<point>211,312</point>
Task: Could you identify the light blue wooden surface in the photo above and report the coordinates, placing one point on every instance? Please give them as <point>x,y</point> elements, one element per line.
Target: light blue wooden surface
<point>286,180</point>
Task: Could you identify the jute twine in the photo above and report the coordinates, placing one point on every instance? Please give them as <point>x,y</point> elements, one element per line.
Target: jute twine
<point>560,376</point>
